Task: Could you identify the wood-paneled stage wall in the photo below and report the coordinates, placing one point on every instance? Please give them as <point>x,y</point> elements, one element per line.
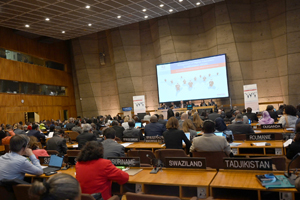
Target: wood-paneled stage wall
<point>48,107</point>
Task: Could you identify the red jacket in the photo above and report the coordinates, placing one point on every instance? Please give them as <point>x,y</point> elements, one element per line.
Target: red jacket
<point>97,175</point>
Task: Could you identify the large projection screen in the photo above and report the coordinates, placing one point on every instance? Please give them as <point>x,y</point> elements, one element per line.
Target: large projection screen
<point>201,78</point>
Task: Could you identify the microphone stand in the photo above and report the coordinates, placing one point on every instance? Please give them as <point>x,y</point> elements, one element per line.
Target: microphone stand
<point>155,163</point>
<point>291,176</point>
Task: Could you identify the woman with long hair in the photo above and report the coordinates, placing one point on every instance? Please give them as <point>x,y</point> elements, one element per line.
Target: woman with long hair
<point>188,127</point>
<point>197,121</point>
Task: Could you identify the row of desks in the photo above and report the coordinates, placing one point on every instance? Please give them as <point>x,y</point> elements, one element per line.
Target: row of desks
<point>185,183</point>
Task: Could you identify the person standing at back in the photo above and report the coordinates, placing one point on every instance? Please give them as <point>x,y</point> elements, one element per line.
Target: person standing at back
<point>170,112</point>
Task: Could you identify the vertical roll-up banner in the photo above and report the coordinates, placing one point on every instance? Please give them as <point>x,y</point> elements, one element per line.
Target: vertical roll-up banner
<point>139,104</point>
<point>251,97</point>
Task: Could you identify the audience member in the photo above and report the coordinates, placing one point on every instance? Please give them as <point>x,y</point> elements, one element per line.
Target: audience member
<point>182,104</point>
<point>132,131</point>
<point>184,116</point>
<point>125,123</point>
<point>239,127</point>
<point>34,146</point>
<point>87,135</point>
<point>96,174</point>
<point>170,112</point>
<point>214,115</point>
<point>57,187</point>
<point>209,141</point>
<point>197,121</point>
<point>173,137</point>
<point>266,119</point>
<point>245,118</point>
<point>58,143</point>
<point>280,109</point>
<point>190,115</point>
<point>14,165</point>
<point>110,146</point>
<point>95,131</point>
<point>220,125</point>
<point>10,130</point>
<point>251,116</point>
<point>203,103</point>
<point>2,133</point>
<point>289,118</point>
<point>146,117</point>
<point>51,132</point>
<point>36,132</point>
<point>71,124</point>
<point>119,129</point>
<point>188,127</point>
<point>294,147</point>
<point>19,130</point>
<point>77,128</point>
<point>177,115</point>
<point>272,113</point>
<point>161,120</point>
<point>154,128</point>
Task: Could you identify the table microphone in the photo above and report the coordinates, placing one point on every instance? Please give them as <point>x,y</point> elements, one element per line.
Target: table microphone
<point>156,164</point>
<point>291,176</point>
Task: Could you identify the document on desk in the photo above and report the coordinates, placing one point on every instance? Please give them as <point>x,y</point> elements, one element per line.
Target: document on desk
<point>256,131</point>
<point>126,144</point>
<point>132,172</point>
<point>75,146</point>
<point>287,143</point>
<point>233,144</point>
<point>260,144</point>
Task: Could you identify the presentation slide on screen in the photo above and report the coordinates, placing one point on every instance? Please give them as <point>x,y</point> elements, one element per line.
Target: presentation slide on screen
<point>203,78</point>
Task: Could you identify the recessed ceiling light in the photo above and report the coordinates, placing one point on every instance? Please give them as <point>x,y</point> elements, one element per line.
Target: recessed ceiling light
<point>180,0</point>
<point>171,10</point>
<point>63,31</point>
<point>146,16</point>
<point>144,10</point>
<point>90,24</point>
<point>161,5</point>
<point>47,19</point>
<point>119,16</point>
<point>27,26</point>
<point>198,3</point>
<point>88,7</point>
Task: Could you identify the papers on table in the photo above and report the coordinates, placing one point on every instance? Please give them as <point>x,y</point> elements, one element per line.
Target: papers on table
<point>75,146</point>
<point>260,144</point>
<point>256,131</point>
<point>233,144</point>
<point>132,172</point>
<point>43,166</point>
<point>290,129</point>
<point>126,144</point>
<point>287,143</point>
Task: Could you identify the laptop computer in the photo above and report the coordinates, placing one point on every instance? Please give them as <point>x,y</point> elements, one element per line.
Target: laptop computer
<point>55,164</point>
<point>220,134</point>
<point>188,137</point>
<point>138,124</point>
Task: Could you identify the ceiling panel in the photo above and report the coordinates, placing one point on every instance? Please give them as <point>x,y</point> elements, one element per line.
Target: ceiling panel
<point>73,17</point>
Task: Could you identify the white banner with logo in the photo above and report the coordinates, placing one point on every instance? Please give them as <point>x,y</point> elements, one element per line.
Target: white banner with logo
<point>251,97</point>
<point>139,104</point>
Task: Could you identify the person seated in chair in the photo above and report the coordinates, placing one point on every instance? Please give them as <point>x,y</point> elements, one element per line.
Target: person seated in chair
<point>14,165</point>
<point>36,132</point>
<point>154,128</point>
<point>110,146</point>
<point>239,127</point>
<point>86,136</point>
<point>133,132</point>
<point>209,141</point>
<point>58,143</point>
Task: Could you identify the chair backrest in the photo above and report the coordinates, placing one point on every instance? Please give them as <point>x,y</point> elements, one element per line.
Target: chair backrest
<point>52,152</point>
<point>295,164</point>
<point>142,154</point>
<point>87,197</point>
<point>73,135</point>
<point>137,196</point>
<point>5,194</point>
<point>115,197</point>
<point>239,136</point>
<point>214,159</point>
<point>161,154</point>
<point>73,153</point>
<point>21,191</point>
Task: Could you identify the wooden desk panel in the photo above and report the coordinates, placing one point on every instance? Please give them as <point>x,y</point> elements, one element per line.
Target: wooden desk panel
<point>2,148</point>
<point>277,145</point>
<point>145,145</point>
<point>272,131</point>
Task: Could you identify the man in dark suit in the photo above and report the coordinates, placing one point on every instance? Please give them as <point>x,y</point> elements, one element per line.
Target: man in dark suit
<point>170,112</point>
<point>110,146</point>
<point>119,129</point>
<point>214,115</point>
<point>71,124</point>
<point>250,115</point>
<point>36,132</point>
<point>182,105</point>
<point>239,127</point>
<point>19,130</point>
<point>154,128</point>
<point>161,120</point>
<point>86,136</point>
<point>58,143</point>
<point>132,131</point>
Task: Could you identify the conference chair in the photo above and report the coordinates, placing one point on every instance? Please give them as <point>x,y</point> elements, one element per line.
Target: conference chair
<point>139,196</point>
<point>161,154</point>
<point>89,197</point>
<point>142,154</point>
<point>21,191</point>
<point>5,194</point>
<point>52,152</point>
<point>73,153</point>
<point>295,164</point>
<point>73,135</point>
<point>214,159</point>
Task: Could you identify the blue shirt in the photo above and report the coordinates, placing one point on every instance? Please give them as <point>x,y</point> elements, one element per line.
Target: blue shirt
<point>14,166</point>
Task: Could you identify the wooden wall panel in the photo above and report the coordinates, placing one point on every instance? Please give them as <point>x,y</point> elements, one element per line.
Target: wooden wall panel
<point>48,107</point>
